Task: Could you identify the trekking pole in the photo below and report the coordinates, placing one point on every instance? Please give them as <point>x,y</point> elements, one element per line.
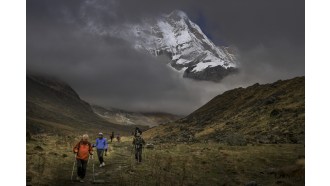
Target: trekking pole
<point>93,168</point>
<point>89,158</point>
<point>74,163</point>
<point>132,155</point>
<point>143,154</point>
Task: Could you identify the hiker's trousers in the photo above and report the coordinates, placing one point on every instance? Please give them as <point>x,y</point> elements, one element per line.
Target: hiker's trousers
<point>138,154</point>
<point>100,155</point>
<point>81,168</point>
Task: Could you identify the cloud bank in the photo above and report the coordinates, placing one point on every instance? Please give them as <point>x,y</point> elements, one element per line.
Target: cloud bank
<point>69,39</point>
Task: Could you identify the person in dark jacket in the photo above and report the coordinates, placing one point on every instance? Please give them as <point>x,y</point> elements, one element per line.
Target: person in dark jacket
<point>83,149</point>
<point>112,136</point>
<point>118,138</point>
<point>138,143</point>
<point>101,145</point>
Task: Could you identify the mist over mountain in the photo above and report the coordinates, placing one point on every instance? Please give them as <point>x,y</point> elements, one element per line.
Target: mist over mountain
<point>123,117</point>
<point>189,50</point>
<point>54,107</point>
<point>69,40</point>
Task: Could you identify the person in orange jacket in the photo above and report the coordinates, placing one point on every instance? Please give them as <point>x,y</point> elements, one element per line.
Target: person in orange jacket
<point>83,149</point>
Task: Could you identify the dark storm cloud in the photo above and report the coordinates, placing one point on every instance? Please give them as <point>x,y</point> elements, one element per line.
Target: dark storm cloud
<point>107,71</point>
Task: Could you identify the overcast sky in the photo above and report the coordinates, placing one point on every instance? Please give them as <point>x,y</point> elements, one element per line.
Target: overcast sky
<point>270,36</point>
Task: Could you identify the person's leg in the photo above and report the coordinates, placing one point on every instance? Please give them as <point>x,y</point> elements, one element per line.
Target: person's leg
<point>79,167</point>
<point>140,154</point>
<point>136,154</point>
<point>83,168</point>
<point>99,155</point>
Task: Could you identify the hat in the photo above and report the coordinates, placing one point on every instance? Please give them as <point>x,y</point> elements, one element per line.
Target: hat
<point>85,136</point>
<point>101,133</point>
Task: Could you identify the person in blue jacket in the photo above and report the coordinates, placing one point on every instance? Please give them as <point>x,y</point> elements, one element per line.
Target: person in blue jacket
<point>101,145</point>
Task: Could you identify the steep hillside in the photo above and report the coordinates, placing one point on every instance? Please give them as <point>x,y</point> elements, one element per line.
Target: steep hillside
<point>53,106</point>
<point>123,117</point>
<point>270,113</point>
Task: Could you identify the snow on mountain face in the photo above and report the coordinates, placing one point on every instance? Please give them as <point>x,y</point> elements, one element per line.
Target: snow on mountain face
<point>183,41</point>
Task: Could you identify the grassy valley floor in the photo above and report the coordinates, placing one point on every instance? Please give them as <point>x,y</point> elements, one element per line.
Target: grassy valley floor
<point>50,162</point>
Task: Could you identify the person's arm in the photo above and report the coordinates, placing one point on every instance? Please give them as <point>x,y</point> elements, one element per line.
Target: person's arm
<point>105,144</point>
<point>90,149</point>
<point>97,142</point>
<point>76,148</point>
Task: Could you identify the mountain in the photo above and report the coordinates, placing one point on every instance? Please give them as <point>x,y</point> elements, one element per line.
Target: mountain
<point>53,106</point>
<point>190,51</point>
<point>270,113</point>
<point>123,117</point>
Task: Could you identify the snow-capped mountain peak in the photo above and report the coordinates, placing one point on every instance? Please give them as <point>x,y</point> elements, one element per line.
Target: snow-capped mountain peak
<point>188,48</point>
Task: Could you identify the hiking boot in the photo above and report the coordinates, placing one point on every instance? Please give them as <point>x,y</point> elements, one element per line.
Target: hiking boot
<point>103,164</point>
<point>81,181</point>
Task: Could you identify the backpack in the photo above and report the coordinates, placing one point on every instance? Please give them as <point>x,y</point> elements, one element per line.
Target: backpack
<point>138,142</point>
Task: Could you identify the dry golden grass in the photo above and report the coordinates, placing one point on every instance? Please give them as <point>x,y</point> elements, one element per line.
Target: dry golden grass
<point>169,164</point>
<point>270,113</point>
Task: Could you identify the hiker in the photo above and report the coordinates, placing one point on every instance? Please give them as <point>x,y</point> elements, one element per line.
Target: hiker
<point>82,149</point>
<point>118,137</point>
<point>137,130</point>
<point>112,136</point>
<point>101,144</point>
<point>138,143</point>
